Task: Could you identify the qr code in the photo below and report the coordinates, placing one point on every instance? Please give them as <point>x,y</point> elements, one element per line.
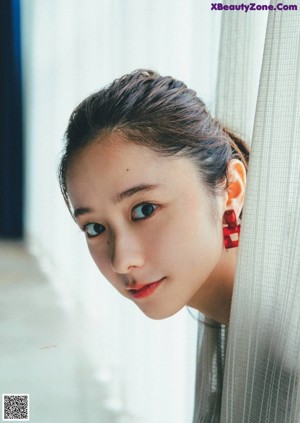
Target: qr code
<point>15,407</point>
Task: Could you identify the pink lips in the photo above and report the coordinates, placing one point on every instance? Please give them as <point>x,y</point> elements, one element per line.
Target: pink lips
<point>141,291</point>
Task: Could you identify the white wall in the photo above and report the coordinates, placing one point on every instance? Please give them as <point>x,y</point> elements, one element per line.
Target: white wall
<point>71,48</point>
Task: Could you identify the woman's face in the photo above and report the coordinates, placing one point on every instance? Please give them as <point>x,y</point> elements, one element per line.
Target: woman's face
<point>147,219</point>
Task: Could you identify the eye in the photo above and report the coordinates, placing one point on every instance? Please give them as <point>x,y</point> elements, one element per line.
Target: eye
<point>93,229</point>
<point>142,211</point>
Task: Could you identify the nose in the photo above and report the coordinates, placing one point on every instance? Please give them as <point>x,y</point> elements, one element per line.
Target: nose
<point>127,253</point>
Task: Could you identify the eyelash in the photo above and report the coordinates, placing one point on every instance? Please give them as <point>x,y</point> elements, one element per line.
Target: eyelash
<point>155,206</point>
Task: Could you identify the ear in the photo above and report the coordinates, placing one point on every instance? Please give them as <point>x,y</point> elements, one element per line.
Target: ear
<point>237,178</point>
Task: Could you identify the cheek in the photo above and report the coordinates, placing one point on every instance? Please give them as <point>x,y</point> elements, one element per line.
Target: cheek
<point>189,237</point>
<point>102,261</point>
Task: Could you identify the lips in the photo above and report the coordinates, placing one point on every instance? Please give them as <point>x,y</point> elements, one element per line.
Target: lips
<point>139,286</point>
<point>144,290</point>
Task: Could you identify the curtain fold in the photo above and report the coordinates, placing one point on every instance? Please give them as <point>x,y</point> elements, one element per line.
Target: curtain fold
<point>261,380</point>
<point>240,57</point>
<point>211,347</point>
<point>11,148</point>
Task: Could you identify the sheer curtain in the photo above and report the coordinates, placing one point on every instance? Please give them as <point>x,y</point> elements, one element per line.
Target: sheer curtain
<point>261,379</point>
<point>264,340</point>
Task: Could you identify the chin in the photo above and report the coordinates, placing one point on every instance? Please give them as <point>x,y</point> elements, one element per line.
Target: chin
<point>156,314</point>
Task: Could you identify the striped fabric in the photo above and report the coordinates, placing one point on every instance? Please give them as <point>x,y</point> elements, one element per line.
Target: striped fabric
<point>261,378</point>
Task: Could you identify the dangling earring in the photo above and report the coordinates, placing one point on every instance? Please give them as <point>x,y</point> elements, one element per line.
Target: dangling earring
<point>232,231</point>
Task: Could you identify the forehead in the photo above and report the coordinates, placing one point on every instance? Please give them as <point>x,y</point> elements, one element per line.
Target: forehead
<point>112,164</point>
<point>121,154</point>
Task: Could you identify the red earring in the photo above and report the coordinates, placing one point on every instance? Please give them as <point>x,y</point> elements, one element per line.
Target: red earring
<point>232,231</point>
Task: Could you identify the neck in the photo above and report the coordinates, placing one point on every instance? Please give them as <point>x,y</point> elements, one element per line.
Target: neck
<point>214,298</point>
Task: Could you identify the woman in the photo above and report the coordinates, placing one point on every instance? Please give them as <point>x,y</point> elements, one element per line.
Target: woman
<point>157,186</point>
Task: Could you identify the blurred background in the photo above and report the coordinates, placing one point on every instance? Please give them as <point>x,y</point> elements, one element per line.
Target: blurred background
<point>82,352</point>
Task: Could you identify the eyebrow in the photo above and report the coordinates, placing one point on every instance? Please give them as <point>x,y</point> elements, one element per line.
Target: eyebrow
<point>80,211</point>
<point>131,191</point>
<point>120,197</point>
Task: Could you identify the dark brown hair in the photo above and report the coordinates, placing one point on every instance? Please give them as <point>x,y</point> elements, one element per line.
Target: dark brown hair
<point>161,113</point>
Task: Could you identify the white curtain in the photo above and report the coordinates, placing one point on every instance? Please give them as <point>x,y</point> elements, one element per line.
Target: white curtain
<point>262,360</point>
<point>264,340</point>
<point>142,371</point>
